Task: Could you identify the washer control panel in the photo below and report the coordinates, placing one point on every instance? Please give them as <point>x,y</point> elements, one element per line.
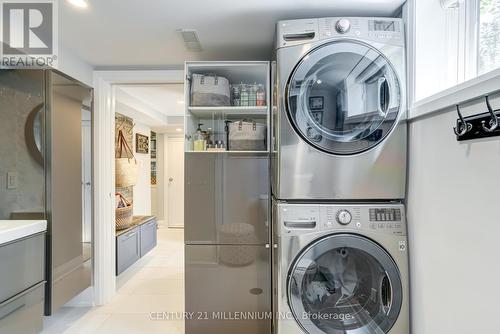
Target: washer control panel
<point>296,219</point>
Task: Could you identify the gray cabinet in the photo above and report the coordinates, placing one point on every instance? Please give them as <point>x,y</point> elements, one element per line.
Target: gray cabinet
<point>135,242</point>
<point>22,263</point>
<point>23,312</point>
<point>148,236</point>
<point>127,249</point>
<point>22,278</point>
<point>228,279</point>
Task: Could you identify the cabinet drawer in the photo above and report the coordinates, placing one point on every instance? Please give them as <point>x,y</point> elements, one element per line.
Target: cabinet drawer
<point>25,260</point>
<point>23,313</point>
<point>127,249</point>
<point>148,236</point>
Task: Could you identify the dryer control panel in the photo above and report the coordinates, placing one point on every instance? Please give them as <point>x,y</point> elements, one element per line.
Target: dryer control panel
<point>383,30</point>
<point>296,219</point>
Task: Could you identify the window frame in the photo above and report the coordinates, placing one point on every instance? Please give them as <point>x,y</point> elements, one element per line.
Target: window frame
<point>470,84</point>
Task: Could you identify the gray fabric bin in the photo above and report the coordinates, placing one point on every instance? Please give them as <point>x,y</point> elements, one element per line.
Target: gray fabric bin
<point>210,91</point>
<point>247,136</point>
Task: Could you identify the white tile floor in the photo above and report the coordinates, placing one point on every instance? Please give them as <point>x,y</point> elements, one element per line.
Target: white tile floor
<point>154,284</point>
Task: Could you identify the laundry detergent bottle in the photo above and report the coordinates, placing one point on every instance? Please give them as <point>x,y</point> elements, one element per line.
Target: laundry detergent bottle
<point>199,143</point>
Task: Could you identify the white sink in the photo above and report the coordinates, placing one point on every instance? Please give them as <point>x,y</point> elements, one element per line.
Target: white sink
<point>15,229</point>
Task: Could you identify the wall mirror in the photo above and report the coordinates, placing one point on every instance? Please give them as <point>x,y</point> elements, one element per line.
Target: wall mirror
<point>33,133</point>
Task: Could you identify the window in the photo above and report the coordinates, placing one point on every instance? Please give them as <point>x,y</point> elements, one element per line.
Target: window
<point>455,41</point>
<point>489,36</point>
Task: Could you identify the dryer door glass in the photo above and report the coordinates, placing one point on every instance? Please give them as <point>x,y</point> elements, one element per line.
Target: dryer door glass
<point>343,97</point>
<point>345,284</point>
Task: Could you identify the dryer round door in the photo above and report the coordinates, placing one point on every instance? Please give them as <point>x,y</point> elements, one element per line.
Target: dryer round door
<point>343,97</point>
<point>345,284</point>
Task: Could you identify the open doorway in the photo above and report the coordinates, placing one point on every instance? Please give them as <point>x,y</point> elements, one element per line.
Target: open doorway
<point>149,253</point>
<point>155,115</point>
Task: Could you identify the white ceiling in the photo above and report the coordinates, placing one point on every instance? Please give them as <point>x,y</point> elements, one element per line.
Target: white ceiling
<point>160,107</point>
<point>167,99</point>
<point>141,34</point>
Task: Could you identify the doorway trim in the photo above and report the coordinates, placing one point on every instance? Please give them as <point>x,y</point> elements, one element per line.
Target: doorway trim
<point>104,166</point>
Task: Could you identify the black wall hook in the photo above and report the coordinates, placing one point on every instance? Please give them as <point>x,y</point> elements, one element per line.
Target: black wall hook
<point>462,126</point>
<point>483,125</point>
<point>493,123</point>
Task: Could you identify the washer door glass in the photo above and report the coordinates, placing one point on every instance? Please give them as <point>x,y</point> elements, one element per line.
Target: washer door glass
<point>345,284</point>
<point>343,97</point>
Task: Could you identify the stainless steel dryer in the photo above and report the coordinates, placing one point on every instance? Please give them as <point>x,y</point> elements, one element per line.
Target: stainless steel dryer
<point>341,269</point>
<point>339,123</point>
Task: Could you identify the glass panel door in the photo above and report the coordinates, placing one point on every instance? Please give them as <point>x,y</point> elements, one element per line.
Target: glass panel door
<point>343,97</point>
<point>345,284</point>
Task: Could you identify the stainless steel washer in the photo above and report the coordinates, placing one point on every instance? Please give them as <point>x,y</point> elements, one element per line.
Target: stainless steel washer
<point>340,269</point>
<point>339,123</point>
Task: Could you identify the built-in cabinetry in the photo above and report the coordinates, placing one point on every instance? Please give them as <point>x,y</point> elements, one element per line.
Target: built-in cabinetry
<point>226,231</point>
<point>242,76</point>
<point>22,278</point>
<point>135,242</point>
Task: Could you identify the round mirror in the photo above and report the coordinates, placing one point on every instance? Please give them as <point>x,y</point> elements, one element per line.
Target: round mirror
<point>33,133</point>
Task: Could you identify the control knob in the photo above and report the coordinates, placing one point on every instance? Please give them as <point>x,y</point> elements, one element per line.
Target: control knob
<point>344,217</point>
<point>342,26</point>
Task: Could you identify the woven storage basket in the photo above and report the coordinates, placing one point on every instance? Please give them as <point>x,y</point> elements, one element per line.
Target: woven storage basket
<point>123,216</point>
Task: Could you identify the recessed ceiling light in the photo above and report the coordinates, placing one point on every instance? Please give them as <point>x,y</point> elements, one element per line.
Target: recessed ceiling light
<point>178,130</point>
<point>79,3</point>
<point>180,102</point>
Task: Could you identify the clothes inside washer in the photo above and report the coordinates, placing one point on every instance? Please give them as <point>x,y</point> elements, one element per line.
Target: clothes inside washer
<point>340,271</point>
<point>332,276</point>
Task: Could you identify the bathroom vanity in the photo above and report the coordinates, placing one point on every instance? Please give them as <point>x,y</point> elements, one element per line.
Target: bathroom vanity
<point>22,277</point>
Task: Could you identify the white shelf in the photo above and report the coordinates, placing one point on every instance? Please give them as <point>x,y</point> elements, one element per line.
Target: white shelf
<point>202,112</point>
<point>228,152</point>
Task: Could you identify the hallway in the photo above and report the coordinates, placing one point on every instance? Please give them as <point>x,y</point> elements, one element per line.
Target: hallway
<point>154,284</point>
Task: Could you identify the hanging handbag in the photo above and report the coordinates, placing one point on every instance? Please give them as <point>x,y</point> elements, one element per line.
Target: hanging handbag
<point>126,168</point>
<point>210,91</point>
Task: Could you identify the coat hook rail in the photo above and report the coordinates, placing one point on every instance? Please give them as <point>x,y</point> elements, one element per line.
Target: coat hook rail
<point>482,125</point>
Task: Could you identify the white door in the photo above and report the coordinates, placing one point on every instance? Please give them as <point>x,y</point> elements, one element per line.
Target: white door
<point>175,181</point>
<point>87,180</point>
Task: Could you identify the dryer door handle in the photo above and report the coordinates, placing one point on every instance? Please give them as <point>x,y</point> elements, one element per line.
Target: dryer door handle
<point>383,98</point>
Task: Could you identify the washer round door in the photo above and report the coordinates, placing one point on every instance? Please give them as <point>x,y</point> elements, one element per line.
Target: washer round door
<point>343,97</point>
<point>345,284</point>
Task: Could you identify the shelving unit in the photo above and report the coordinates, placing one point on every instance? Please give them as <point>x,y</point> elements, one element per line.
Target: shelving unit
<point>226,231</point>
<point>230,111</point>
<point>214,118</point>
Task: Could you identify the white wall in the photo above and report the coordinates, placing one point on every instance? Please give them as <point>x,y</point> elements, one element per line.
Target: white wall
<point>160,178</point>
<point>454,227</point>
<point>142,190</point>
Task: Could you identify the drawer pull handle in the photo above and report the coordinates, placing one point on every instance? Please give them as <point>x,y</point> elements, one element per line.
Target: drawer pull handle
<point>130,235</point>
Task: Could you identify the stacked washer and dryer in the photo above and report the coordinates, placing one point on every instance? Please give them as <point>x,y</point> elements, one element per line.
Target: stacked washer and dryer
<point>339,175</point>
